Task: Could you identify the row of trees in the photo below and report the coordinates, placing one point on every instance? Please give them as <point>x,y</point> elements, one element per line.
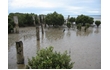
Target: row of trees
<point>54,19</point>
<point>23,20</point>
<point>82,20</point>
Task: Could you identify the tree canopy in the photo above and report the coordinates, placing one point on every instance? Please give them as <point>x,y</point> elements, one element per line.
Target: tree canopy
<point>24,19</point>
<point>97,23</point>
<point>83,19</point>
<point>72,19</point>
<point>54,19</point>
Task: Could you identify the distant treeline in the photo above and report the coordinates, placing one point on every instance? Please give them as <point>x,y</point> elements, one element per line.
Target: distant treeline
<point>24,20</point>
<point>55,19</point>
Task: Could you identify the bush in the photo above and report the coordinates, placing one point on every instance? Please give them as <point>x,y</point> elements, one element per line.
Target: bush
<point>68,24</point>
<point>72,19</point>
<point>47,59</point>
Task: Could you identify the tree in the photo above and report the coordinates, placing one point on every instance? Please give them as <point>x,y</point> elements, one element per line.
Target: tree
<point>72,19</point>
<point>97,23</point>
<point>47,59</point>
<point>29,20</point>
<point>25,19</point>
<point>83,19</point>
<point>60,20</point>
<point>10,27</point>
<point>48,19</point>
<point>11,24</point>
<point>54,19</point>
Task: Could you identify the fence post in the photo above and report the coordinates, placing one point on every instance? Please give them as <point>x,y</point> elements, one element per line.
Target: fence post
<point>19,50</point>
<point>16,24</point>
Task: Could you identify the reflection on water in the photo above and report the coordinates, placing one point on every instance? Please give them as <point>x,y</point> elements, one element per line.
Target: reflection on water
<point>83,32</point>
<point>84,47</point>
<point>20,66</point>
<point>96,30</point>
<point>54,34</point>
<point>38,45</point>
<point>68,33</point>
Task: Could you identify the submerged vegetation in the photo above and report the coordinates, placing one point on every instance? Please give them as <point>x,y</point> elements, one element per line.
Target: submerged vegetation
<point>68,24</point>
<point>48,59</point>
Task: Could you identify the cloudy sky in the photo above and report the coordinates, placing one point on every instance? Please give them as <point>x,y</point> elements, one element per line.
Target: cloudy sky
<point>65,7</point>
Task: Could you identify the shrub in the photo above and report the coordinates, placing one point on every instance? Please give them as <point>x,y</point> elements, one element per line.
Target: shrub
<point>47,59</point>
<point>68,24</point>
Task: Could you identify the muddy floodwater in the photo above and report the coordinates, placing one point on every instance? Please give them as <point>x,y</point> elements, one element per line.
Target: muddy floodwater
<point>84,47</point>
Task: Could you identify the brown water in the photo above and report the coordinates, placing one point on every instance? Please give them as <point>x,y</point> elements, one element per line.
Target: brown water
<point>84,47</point>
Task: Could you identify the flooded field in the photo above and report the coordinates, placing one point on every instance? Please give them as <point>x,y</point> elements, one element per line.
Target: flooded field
<point>84,47</point>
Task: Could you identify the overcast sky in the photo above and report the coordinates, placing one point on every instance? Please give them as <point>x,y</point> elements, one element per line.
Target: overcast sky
<point>65,7</point>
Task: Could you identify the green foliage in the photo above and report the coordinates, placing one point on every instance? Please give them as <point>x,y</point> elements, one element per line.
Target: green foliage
<point>68,24</point>
<point>24,19</point>
<point>54,19</point>
<point>28,20</point>
<point>48,19</point>
<point>41,18</point>
<point>36,19</point>
<point>97,23</point>
<point>47,59</point>
<point>83,19</point>
<point>10,27</point>
<point>72,19</point>
<point>10,24</point>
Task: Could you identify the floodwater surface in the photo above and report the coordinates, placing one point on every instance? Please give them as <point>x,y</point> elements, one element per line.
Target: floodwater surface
<point>84,47</point>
